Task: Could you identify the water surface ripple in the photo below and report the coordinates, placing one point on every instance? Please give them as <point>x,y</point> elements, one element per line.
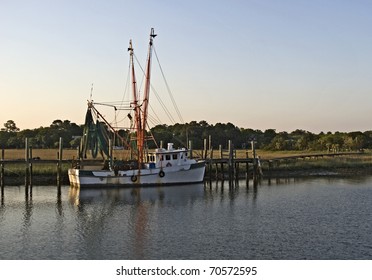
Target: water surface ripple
<point>323,218</point>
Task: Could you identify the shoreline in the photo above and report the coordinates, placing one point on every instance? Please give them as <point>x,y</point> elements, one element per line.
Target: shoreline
<point>320,172</point>
<point>277,173</point>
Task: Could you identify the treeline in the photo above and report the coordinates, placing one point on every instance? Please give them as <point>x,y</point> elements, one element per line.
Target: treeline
<point>43,137</point>
<point>180,134</point>
<point>269,139</point>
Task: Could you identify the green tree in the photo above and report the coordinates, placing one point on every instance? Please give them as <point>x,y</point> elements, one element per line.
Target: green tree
<point>4,137</point>
<point>10,126</point>
<point>281,142</point>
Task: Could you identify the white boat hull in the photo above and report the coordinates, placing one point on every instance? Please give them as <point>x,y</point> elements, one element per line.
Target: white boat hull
<point>185,174</point>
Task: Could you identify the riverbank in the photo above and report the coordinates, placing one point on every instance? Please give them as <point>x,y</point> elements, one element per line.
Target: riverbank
<point>295,164</point>
<point>346,165</point>
<point>280,172</point>
<point>285,167</point>
<point>319,172</point>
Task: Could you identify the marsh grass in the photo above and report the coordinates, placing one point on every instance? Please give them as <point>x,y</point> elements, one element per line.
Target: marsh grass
<point>38,169</point>
<point>348,163</point>
<point>352,164</point>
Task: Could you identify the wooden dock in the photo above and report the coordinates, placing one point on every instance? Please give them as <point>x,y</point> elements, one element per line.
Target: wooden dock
<point>230,167</point>
<point>221,164</point>
<point>28,164</point>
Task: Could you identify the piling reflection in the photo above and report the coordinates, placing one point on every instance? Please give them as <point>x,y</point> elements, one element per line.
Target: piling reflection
<point>27,216</point>
<point>273,219</point>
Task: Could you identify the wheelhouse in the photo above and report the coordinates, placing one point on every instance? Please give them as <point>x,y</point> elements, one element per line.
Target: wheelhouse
<point>167,157</point>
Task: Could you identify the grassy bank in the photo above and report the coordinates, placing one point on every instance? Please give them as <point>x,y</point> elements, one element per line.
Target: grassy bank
<point>345,165</point>
<point>332,166</point>
<point>282,164</point>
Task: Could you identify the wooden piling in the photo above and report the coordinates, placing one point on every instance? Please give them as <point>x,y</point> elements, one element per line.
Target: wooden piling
<point>254,160</point>
<point>231,162</point>
<point>210,148</point>
<point>221,157</point>
<point>247,168</point>
<point>210,164</point>
<point>30,165</point>
<point>111,159</point>
<point>27,162</point>
<point>2,168</point>
<point>205,148</point>
<point>190,148</point>
<point>59,164</point>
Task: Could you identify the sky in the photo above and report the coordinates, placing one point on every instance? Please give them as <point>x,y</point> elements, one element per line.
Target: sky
<point>261,64</point>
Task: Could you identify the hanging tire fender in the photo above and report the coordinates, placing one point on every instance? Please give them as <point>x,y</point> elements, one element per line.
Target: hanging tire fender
<point>133,178</point>
<point>161,174</point>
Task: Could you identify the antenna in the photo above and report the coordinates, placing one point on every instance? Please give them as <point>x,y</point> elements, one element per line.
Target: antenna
<point>91,92</point>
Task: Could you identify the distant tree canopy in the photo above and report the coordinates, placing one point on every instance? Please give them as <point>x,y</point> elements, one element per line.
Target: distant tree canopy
<point>180,134</point>
<point>43,137</point>
<point>10,126</point>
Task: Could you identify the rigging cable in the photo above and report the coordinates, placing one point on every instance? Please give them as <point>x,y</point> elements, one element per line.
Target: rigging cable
<point>166,110</point>
<point>169,91</point>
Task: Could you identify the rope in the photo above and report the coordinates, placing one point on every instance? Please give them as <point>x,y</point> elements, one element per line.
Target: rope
<point>169,91</point>
<point>161,102</point>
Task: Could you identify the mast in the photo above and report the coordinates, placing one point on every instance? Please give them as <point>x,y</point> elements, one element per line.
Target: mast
<point>147,84</point>
<point>137,109</point>
<point>145,103</point>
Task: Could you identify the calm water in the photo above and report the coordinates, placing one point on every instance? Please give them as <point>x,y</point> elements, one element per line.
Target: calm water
<point>295,219</point>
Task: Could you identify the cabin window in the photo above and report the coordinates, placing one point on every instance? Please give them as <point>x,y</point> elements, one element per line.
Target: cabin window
<point>151,158</point>
<point>167,157</point>
<point>161,158</point>
<point>174,156</point>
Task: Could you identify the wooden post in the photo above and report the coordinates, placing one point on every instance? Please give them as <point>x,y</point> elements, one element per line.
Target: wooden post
<point>253,149</point>
<point>210,164</point>
<point>216,171</point>
<point>78,151</point>
<point>190,148</point>
<point>255,171</point>
<point>270,164</point>
<point>110,155</point>
<point>59,164</point>
<point>30,165</point>
<point>221,156</point>
<point>231,162</point>
<point>205,149</point>
<point>27,161</point>
<point>2,170</point>
<point>210,148</point>
<point>247,168</point>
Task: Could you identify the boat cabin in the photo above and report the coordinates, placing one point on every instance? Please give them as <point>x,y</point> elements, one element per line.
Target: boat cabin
<point>167,157</point>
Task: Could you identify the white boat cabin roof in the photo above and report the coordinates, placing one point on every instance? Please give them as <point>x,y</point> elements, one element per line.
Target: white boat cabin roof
<point>168,155</point>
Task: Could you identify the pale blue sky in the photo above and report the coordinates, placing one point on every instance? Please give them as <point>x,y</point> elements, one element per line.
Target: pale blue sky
<point>255,63</point>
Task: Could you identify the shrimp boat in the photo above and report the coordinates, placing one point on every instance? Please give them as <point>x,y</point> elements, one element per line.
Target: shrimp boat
<point>145,167</point>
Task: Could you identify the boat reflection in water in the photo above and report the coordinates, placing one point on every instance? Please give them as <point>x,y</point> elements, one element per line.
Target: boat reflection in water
<point>126,215</point>
<point>313,218</point>
<point>180,195</point>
